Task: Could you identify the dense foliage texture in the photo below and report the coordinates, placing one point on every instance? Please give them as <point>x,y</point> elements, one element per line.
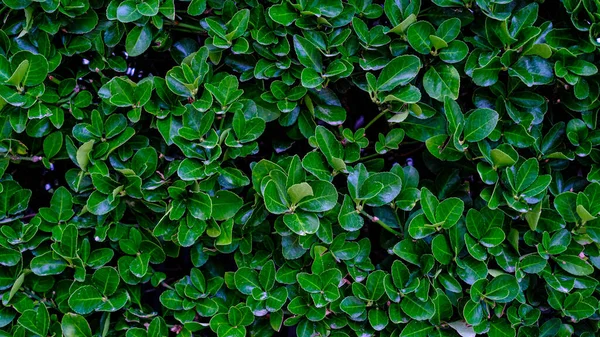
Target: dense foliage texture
<point>312,168</point>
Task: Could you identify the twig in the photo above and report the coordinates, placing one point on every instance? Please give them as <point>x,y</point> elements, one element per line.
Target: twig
<point>381,223</point>
<point>34,159</point>
<point>375,119</point>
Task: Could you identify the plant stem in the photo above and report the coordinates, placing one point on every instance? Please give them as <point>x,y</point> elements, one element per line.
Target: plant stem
<point>380,223</point>
<point>375,119</point>
<point>222,122</point>
<point>369,156</point>
<point>32,295</point>
<point>184,30</point>
<point>7,220</point>
<point>166,286</point>
<point>185,25</point>
<point>32,159</point>
<point>53,79</point>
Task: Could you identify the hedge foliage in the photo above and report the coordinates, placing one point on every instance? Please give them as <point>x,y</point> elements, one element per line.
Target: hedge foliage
<point>321,168</point>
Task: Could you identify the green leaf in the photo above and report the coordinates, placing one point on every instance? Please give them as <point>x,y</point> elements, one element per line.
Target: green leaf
<point>574,265</point>
<point>36,321</point>
<point>225,205</point>
<point>99,204</point>
<point>83,154</point>
<point>429,203</point>
<point>532,70</point>
<point>127,12</point>
<point>417,309</point>
<point>53,144</point>
<point>323,199</point>
<point>419,228</point>
<point>136,332</point>
<point>441,249</point>
<point>332,115</point>
<point>473,312</point>
<point>148,8</point>
<point>488,74</point>
<point>566,203</point>
<point>267,275</point>
<point>353,307</point>
<point>375,285</point>
<point>308,54</point>
<point>138,40</point>
<point>455,52</point>
<point>582,68</point>
<point>311,78</point>
<point>144,162</point>
<point>348,217</point>
<point>418,36</point>
<point>309,282</point>
<point>449,211</point>
<point>46,264</point>
<point>106,280</point>
<point>283,14</point>
<point>190,169</point>
<point>501,328</point>
<point>10,257</point>
<point>302,223</point>
<point>328,144</point>
<point>442,81</point>
<point>380,188</point>
<point>227,90</point>
<point>238,24</point>
<point>480,124</point>
<point>493,237</point>
<point>504,155</point>
<point>524,17</point>
<point>416,329</point>
<point>449,29</point>
<point>443,307</point>
<point>378,319</point>
<point>399,71</point>
<point>74,325</point>
<point>275,201</point>
<point>28,69</point>
<point>196,7</point>
<point>246,280</point>
<point>139,265</point>
<point>199,205</point>
<point>437,42</point>
<point>502,289</point>
<point>527,174</point>
<point>85,299</point>
<point>61,205</point>
<point>170,300</point>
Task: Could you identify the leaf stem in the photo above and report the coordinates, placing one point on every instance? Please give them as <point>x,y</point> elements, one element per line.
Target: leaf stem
<point>375,119</point>
<point>54,79</point>
<point>222,123</point>
<point>32,295</point>
<point>34,159</point>
<point>373,155</point>
<point>7,220</point>
<point>184,30</point>
<point>166,286</point>
<point>185,25</point>
<point>380,223</point>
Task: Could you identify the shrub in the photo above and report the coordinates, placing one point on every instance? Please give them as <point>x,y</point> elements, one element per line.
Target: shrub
<point>311,168</point>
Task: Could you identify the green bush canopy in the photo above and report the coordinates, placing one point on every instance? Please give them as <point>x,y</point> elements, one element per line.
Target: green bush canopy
<point>341,168</point>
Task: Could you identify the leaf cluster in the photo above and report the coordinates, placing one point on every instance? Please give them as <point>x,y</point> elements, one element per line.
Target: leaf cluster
<point>401,168</point>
